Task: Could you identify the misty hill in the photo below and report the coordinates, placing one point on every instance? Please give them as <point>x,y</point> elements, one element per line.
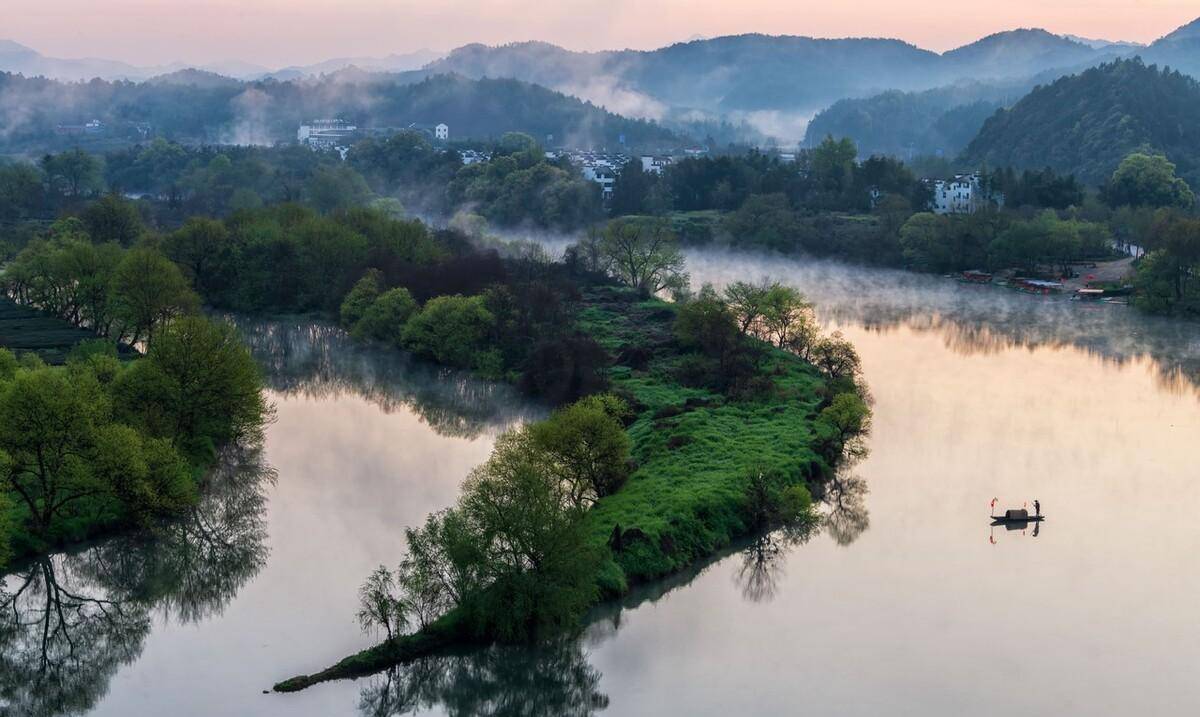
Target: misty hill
<point>197,108</point>
<point>1179,50</point>
<point>396,62</point>
<point>15,57</point>
<point>1087,123</point>
<point>940,121</point>
<point>1017,53</point>
<point>756,74</point>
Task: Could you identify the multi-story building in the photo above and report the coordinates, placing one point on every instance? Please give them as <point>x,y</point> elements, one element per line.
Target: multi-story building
<point>965,194</point>
<point>327,134</point>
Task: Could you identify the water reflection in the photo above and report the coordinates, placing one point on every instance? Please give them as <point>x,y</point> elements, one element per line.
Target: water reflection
<point>973,320</point>
<point>322,362</point>
<point>70,620</point>
<point>551,680</point>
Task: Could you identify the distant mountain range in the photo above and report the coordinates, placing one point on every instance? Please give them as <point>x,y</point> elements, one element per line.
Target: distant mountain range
<point>17,58</point>
<point>889,95</point>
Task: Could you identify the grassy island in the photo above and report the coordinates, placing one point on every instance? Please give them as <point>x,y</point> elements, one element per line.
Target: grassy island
<point>731,428</point>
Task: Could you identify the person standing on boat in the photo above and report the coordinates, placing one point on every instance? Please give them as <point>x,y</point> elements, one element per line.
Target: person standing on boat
<point>1037,508</point>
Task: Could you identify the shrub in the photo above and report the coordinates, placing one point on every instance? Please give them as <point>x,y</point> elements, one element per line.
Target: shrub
<point>384,319</point>
<point>360,297</point>
<point>450,330</point>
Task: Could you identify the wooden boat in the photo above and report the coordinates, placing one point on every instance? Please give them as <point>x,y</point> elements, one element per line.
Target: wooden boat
<point>1016,517</point>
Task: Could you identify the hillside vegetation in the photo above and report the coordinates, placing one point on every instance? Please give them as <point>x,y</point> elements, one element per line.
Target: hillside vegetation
<point>1086,124</point>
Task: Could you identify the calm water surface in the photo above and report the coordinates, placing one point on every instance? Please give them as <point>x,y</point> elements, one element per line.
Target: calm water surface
<point>906,602</point>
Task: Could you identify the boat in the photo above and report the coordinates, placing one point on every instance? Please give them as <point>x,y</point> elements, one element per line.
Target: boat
<point>1016,517</point>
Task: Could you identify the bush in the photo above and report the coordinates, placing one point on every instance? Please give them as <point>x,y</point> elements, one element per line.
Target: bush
<point>450,330</point>
<point>360,297</point>
<point>384,319</point>
<point>564,369</point>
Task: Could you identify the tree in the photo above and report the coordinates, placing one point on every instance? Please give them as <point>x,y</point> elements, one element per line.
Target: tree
<point>747,302</point>
<point>788,319</point>
<point>74,172</point>
<point>586,447</point>
<point>203,248</point>
<point>113,219</point>
<point>385,319</point>
<point>532,542</point>
<point>708,324</point>
<point>330,188</point>
<point>764,220</point>
<point>48,450</point>
<point>150,291</point>
<point>836,357</point>
<point>645,255</point>
<point>215,388</point>
<point>1146,180</point>
<point>379,606</point>
<point>450,330</point>
<point>849,417</point>
<point>360,296</point>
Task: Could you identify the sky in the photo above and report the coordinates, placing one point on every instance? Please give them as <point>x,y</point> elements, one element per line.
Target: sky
<point>276,33</point>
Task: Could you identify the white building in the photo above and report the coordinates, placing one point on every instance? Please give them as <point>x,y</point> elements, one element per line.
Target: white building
<point>441,132</point>
<point>326,133</point>
<point>965,194</point>
<point>655,165</point>
<point>603,174</point>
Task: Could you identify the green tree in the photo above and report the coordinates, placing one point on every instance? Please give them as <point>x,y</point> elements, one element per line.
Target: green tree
<point>645,255</point>
<point>203,248</point>
<point>48,450</point>
<point>330,188</point>
<point>212,384</point>
<point>74,172</point>
<point>535,552</point>
<point>360,296</point>
<point>450,330</point>
<point>386,317</point>
<point>1147,180</point>
<point>150,291</point>
<point>586,447</point>
<point>112,218</point>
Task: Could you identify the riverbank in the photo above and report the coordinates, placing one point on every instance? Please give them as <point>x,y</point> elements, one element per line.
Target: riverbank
<point>696,450</point>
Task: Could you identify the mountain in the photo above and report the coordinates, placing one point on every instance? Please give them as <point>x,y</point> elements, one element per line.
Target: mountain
<point>1179,50</point>
<point>1087,123</point>
<point>391,63</point>
<point>1097,44</point>
<point>769,81</point>
<point>198,107</point>
<point>1016,53</point>
<point>17,58</point>
<point>940,121</point>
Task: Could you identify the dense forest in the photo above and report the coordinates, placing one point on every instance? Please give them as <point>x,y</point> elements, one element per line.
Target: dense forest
<point>1086,124</point>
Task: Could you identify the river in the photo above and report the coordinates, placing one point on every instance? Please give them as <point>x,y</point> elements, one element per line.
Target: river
<point>905,602</point>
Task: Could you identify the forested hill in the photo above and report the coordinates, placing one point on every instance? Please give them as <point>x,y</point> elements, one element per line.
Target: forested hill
<point>1086,124</point>
<point>202,108</point>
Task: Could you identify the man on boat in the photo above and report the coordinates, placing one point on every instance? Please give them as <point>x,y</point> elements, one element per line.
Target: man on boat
<point>1037,508</point>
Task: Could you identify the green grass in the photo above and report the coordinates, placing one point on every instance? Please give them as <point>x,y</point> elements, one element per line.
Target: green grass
<point>687,497</point>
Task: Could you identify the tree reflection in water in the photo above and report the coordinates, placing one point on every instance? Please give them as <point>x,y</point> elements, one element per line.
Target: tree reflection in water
<point>552,679</point>
<point>845,498</point>
<point>315,360</point>
<point>69,621</point>
<point>763,561</point>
